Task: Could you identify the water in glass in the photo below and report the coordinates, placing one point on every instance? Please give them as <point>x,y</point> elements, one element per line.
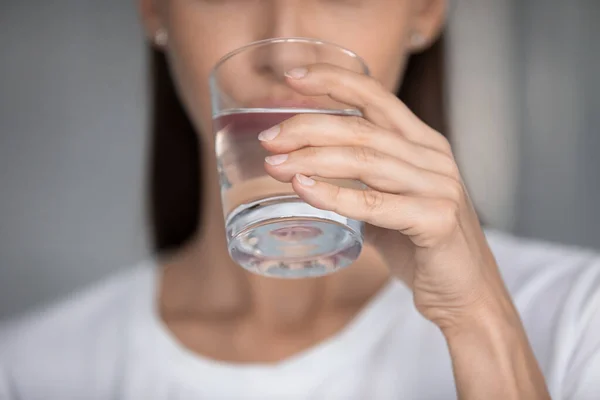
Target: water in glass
<point>270,230</point>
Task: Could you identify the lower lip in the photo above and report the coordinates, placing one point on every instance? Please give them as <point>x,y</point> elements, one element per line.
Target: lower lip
<point>289,104</point>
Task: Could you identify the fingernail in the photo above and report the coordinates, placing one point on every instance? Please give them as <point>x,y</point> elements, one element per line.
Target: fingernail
<point>269,134</point>
<point>277,159</point>
<point>305,180</point>
<point>297,73</point>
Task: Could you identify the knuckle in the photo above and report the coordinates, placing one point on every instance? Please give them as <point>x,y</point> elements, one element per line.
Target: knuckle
<point>449,166</point>
<point>359,127</point>
<point>336,196</point>
<point>448,217</point>
<point>445,144</point>
<point>360,154</point>
<point>454,173</point>
<point>369,86</point>
<point>455,190</point>
<point>290,126</point>
<point>372,200</point>
<point>364,155</point>
<point>302,125</point>
<point>299,121</point>
<point>375,86</point>
<point>310,153</point>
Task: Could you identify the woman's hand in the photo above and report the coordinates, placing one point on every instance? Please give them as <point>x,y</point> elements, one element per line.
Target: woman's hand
<point>417,205</point>
<point>414,189</point>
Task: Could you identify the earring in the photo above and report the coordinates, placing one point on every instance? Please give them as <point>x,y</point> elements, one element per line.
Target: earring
<point>161,38</point>
<point>417,40</point>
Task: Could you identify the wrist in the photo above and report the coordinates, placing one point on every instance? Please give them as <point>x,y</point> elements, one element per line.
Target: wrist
<point>492,312</point>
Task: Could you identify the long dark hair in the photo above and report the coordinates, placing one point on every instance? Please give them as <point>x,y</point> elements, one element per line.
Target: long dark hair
<point>175,183</point>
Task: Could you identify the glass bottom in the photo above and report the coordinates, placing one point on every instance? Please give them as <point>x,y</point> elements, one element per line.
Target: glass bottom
<point>285,237</point>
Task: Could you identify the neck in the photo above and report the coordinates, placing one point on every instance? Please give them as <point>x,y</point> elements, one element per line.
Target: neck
<point>201,280</point>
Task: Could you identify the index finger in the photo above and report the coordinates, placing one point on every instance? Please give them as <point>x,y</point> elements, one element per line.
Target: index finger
<point>377,104</point>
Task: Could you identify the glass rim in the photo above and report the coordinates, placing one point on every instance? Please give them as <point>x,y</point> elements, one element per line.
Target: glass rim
<point>263,42</point>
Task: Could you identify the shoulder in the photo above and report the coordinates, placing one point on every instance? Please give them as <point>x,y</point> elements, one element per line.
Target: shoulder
<point>556,289</point>
<point>531,266</point>
<point>81,332</point>
<point>81,315</point>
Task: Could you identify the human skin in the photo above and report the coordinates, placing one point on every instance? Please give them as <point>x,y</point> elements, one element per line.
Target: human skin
<point>421,221</point>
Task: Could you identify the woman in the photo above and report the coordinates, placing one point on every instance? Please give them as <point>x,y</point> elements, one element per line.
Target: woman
<point>423,314</point>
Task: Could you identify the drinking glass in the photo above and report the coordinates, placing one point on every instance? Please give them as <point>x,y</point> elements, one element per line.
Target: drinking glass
<point>270,230</point>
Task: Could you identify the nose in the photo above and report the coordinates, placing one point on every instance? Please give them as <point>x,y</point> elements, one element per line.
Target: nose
<point>278,58</point>
<point>285,19</point>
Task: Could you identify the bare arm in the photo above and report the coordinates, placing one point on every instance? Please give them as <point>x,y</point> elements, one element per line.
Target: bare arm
<point>492,358</point>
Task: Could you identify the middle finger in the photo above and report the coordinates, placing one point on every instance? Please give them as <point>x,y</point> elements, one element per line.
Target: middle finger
<point>335,130</point>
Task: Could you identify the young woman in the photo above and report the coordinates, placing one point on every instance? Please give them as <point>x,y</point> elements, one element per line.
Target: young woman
<point>433,309</point>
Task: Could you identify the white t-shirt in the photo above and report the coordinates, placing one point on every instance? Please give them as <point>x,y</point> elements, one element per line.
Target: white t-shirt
<point>109,343</point>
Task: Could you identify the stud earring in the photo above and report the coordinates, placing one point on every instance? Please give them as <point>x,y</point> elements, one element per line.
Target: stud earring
<point>417,40</point>
<point>161,38</point>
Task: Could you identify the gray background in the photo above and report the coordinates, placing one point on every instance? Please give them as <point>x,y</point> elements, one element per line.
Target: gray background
<point>559,79</point>
<point>72,145</point>
<point>525,110</point>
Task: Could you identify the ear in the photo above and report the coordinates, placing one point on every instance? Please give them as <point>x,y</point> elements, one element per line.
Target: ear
<point>428,22</point>
<point>150,14</point>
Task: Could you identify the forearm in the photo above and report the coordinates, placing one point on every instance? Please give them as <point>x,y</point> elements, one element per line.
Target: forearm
<point>492,358</point>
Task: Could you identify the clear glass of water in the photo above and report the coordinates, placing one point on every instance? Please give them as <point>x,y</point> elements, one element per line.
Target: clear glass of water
<point>270,230</point>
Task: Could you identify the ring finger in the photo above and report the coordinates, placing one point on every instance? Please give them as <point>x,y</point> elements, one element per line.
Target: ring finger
<point>376,170</point>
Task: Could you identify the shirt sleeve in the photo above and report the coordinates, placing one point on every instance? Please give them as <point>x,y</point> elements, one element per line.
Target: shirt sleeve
<point>582,377</point>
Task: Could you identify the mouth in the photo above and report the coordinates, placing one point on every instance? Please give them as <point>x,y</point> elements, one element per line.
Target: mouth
<point>290,103</point>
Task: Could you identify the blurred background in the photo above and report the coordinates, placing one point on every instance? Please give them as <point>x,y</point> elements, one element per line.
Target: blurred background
<point>524,79</point>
